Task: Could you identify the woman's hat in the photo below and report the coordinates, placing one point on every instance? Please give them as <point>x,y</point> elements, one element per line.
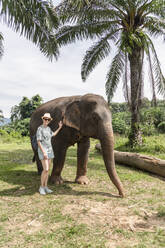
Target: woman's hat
<point>47,115</point>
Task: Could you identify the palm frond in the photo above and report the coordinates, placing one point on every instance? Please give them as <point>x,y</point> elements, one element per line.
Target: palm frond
<point>95,55</point>
<point>1,45</point>
<point>155,26</point>
<point>69,34</point>
<point>114,74</point>
<point>96,12</point>
<point>34,19</point>
<point>158,8</point>
<point>158,75</point>
<point>143,7</point>
<point>151,76</point>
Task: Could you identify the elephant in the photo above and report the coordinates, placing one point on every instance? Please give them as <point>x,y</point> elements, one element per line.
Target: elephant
<point>84,117</point>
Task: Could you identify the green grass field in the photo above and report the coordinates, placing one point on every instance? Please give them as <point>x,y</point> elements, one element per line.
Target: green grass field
<point>77,216</point>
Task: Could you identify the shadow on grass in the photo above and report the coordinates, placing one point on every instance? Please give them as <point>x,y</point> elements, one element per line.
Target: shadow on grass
<point>27,183</point>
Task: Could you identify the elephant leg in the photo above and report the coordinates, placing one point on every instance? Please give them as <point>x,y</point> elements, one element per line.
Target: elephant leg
<point>58,164</point>
<point>82,160</point>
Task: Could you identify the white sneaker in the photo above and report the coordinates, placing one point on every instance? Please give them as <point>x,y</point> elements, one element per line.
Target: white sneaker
<point>47,190</point>
<point>42,191</point>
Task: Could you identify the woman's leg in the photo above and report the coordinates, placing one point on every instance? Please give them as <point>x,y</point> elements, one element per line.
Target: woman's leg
<point>44,175</point>
<point>47,175</point>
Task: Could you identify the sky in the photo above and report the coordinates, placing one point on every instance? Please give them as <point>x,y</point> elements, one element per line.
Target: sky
<point>25,71</point>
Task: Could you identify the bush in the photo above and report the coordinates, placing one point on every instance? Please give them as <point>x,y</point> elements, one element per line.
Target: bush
<point>118,107</point>
<point>161,127</point>
<point>7,137</point>
<point>23,127</point>
<point>17,128</point>
<point>152,116</point>
<point>3,132</point>
<point>148,129</point>
<point>121,122</point>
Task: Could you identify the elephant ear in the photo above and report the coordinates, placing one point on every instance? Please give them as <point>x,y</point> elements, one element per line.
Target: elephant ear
<point>72,115</point>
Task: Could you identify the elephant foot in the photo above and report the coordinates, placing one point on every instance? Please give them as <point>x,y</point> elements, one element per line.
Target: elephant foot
<point>82,180</point>
<point>56,180</point>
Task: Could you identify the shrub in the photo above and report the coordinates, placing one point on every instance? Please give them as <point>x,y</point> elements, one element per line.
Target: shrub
<point>3,132</point>
<point>148,129</point>
<point>118,107</point>
<point>121,122</point>
<point>17,128</point>
<point>23,127</point>
<point>152,116</point>
<point>161,127</point>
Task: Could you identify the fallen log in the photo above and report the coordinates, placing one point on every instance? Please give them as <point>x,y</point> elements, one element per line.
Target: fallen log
<point>143,162</point>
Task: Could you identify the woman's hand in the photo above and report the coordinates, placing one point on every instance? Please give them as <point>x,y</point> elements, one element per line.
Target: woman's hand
<point>45,156</point>
<point>60,124</point>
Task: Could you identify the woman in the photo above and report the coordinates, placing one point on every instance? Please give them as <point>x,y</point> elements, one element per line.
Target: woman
<point>45,151</point>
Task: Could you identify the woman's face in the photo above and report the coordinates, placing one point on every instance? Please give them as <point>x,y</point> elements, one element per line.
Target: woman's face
<point>46,121</point>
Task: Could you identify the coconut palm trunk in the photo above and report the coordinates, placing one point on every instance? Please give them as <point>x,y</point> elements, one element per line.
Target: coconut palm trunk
<point>136,62</point>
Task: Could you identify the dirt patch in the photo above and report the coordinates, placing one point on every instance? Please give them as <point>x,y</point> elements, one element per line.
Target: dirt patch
<point>104,214</point>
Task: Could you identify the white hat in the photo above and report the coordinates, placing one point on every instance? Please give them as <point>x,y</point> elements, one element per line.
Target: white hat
<point>47,115</point>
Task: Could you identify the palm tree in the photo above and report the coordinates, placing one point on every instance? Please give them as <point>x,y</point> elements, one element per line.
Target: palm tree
<point>34,19</point>
<point>129,24</point>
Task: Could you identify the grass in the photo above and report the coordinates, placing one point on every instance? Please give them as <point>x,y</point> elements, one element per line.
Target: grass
<point>78,216</point>
<point>152,145</point>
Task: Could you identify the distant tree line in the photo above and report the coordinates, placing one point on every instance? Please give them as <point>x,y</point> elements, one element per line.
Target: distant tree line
<point>152,119</point>
<point>20,116</point>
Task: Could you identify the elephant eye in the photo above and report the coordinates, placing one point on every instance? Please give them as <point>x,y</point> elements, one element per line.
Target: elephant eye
<point>95,116</point>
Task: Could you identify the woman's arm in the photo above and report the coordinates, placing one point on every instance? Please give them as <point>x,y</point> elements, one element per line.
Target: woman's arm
<point>40,146</point>
<point>60,126</point>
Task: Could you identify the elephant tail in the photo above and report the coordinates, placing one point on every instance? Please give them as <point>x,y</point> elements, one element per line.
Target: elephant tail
<point>34,159</point>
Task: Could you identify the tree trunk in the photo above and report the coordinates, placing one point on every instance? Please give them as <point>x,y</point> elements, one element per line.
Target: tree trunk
<point>143,162</point>
<point>136,62</point>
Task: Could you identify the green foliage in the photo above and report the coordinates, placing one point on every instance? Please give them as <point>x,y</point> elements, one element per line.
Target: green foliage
<point>152,116</point>
<point>25,108</point>
<point>20,117</point>
<point>7,135</point>
<point>118,107</point>
<point>152,145</point>
<point>148,129</point>
<point>33,19</point>
<point>23,127</point>
<point>161,127</point>
<point>145,103</point>
<point>121,122</point>
<point>152,119</point>
<point>20,128</point>
<point>118,126</point>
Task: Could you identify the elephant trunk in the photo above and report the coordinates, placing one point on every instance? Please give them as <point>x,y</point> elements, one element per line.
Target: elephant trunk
<point>107,145</point>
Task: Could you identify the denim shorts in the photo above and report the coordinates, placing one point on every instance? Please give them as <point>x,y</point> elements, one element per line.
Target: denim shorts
<point>48,151</point>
